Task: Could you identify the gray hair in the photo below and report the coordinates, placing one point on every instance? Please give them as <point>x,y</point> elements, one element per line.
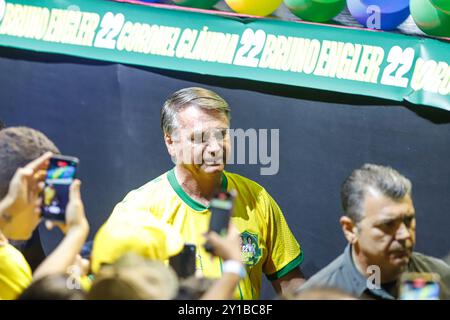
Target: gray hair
<point>200,97</point>
<point>384,179</point>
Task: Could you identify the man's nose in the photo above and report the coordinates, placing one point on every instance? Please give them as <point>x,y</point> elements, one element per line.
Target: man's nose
<point>214,146</point>
<point>403,232</point>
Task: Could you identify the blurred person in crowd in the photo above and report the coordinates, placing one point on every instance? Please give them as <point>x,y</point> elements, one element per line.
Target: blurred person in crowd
<point>15,273</point>
<point>142,235</point>
<point>32,248</point>
<point>133,277</point>
<point>195,124</point>
<point>132,266</point>
<point>20,176</point>
<point>319,293</point>
<point>379,225</point>
<point>20,206</point>
<point>193,287</point>
<point>54,287</point>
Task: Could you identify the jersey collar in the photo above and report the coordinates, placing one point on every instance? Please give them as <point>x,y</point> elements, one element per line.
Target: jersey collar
<point>197,206</point>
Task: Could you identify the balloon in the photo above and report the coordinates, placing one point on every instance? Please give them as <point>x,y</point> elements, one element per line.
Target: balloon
<point>443,5</point>
<point>315,10</point>
<point>254,7</point>
<point>379,14</point>
<point>429,19</point>
<point>200,4</point>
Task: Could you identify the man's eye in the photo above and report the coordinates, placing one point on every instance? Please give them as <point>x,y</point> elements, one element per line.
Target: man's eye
<point>408,221</point>
<point>198,137</point>
<point>389,224</point>
<point>222,133</point>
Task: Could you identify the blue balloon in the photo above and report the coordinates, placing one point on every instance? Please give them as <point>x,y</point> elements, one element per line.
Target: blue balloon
<point>379,14</point>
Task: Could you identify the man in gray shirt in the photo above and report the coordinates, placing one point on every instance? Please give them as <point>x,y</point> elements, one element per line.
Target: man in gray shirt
<point>379,225</point>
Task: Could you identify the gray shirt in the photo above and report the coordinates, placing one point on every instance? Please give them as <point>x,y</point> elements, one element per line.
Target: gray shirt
<point>343,274</point>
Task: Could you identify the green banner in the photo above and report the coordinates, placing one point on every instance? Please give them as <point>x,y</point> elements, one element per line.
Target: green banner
<point>353,61</point>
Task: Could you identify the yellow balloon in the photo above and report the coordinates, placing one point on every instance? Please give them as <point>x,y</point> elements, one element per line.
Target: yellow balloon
<point>254,7</point>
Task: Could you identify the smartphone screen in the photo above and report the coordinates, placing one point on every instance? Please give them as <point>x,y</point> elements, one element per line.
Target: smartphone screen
<point>184,262</point>
<point>221,208</point>
<point>420,287</point>
<point>60,174</point>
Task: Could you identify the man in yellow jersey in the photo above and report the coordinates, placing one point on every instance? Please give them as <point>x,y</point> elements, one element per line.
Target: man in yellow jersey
<point>195,125</point>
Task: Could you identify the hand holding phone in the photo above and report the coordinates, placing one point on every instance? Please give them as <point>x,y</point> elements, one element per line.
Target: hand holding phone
<point>61,173</point>
<point>184,262</point>
<point>229,247</point>
<point>419,286</point>
<point>221,210</point>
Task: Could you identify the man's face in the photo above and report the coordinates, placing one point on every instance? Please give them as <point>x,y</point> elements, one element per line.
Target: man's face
<point>201,141</point>
<point>386,234</point>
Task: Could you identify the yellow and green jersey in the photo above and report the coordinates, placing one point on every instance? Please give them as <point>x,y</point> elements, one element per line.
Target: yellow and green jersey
<point>15,273</point>
<point>268,245</point>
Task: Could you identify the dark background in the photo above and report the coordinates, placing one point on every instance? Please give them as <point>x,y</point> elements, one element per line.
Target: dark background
<point>108,116</point>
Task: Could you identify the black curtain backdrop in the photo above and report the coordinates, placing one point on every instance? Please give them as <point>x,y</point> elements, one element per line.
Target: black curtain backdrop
<point>108,116</point>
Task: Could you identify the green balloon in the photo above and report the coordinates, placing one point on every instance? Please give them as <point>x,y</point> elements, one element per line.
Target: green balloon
<point>315,10</point>
<point>429,19</point>
<point>199,4</point>
<point>443,5</point>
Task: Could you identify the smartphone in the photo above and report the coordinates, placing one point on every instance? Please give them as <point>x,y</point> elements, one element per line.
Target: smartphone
<point>221,209</point>
<point>221,206</point>
<point>61,172</point>
<point>419,286</point>
<point>184,262</point>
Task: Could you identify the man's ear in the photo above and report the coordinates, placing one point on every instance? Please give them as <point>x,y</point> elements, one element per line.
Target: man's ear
<point>349,228</point>
<point>169,144</point>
